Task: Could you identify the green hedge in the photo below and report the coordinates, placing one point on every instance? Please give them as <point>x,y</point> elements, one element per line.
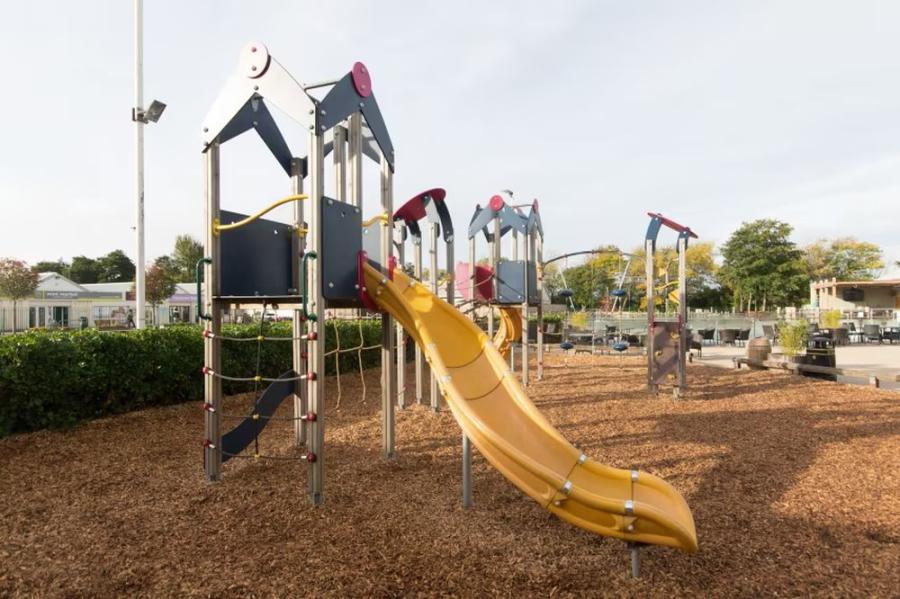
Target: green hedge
<point>56,379</point>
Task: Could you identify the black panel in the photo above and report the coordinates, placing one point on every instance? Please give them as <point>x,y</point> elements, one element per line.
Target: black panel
<point>237,439</point>
<point>341,244</point>
<point>342,101</point>
<point>511,280</point>
<point>254,114</point>
<point>257,259</point>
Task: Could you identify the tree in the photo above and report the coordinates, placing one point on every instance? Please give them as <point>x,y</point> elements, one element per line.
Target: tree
<point>703,289</point>
<point>590,282</point>
<point>59,266</point>
<point>167,263</point>
<point>762,266</point>
<point>115,267</point>
<point>84,270</point>
<point>160,285</point>
<point>17,281</point>
<point>187,253</point>
<point>844,259</point>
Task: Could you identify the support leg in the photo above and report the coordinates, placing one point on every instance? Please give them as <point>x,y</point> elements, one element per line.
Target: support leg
<point>466,471</point>
<point>635,551</point>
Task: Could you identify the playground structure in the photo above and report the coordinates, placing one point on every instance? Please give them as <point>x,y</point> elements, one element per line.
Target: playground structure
<point>512,284</point>
<point>618,295</point>
<point>309,266</point>
<point>322,264</point>
<point>667,342</point>
<point>429,208</point>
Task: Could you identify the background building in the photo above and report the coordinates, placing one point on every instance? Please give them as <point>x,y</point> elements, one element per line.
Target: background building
<point>59,302</point>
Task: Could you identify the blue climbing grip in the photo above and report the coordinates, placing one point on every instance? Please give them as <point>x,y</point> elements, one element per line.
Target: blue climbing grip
<point>566,345</point>
<point>617,293</point>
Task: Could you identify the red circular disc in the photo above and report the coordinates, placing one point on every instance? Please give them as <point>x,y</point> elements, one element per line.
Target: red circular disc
<point>496,203</point>
<point>361,79</point>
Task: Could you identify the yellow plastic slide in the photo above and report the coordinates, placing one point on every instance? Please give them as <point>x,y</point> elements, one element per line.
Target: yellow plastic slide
<point>494,411</point>
<point>510,329</point>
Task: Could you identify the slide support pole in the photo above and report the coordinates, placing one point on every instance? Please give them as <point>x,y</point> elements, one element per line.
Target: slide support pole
<point>466,471</point>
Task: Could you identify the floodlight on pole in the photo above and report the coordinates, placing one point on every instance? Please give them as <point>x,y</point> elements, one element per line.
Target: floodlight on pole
<point>140,118</point>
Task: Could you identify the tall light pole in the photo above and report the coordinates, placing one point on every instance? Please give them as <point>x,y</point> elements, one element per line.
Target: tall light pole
<point>140,118</point>
<point>139,287</point>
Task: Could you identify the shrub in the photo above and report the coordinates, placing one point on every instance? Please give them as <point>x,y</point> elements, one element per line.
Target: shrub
<point>830,319</point>
<point>56,379</point>
<point>792,336</point>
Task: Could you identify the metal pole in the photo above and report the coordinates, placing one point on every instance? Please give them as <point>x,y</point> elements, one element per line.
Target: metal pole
<point>682,316</point>
<point>528,247</point>
<point>466,471</point>
<point>212,385</point>
<point>515,256</point>
<point>388,382</point>
<point>298,349</point>
<point>494,247</point>
<point>401,334</point>
<point>354,158</point>
<point>315,386</point>
<point>339,155</point>
<point>635,550</point>
<point>539,271</point>
<point>433,232</point>
<point>417,267</point>
<point>139,284</point>
<point>649,271</point>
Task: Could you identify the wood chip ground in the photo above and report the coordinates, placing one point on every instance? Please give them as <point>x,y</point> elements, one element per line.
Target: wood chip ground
<point>794,485</point>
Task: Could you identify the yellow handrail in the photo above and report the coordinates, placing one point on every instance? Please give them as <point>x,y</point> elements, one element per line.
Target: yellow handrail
<point>383,217</point>
<point>217,227</point>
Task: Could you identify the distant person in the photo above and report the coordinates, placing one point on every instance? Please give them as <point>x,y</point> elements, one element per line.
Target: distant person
<point>129,320</point>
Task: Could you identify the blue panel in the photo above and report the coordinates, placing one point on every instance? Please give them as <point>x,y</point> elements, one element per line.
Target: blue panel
<point>341,244</point>
<point>257,260</point>
<point>241,436</point>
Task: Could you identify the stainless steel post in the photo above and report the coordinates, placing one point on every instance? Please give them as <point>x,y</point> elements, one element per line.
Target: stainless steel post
<point>355,158</point>
<point>139,263</point>
<point>433,232</point>
<point>315,323</point>
<point>417,267</point>
<point>650,273</point>
<point>212,385</point>
<point>401,232</point>
<point>466,471</point>
<point>298,350</point>
<point>388,382</point>
<point>339,156</point>
<point>528,248</point>
<point>683,341</point>
<point>539,271</point>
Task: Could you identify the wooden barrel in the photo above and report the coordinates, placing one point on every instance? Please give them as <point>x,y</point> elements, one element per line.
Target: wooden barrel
<point>759,349</point>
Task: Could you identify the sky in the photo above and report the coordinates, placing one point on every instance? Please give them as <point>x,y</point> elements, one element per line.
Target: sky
<point>713,113</point>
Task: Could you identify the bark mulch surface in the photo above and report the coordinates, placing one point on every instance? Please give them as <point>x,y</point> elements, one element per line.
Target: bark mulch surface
<point>794,485</point>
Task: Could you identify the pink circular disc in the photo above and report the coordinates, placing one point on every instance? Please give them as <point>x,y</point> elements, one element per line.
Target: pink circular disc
<point>361,79</point>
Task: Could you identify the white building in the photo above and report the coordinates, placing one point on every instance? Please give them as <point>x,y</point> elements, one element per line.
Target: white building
<point>59,302</point>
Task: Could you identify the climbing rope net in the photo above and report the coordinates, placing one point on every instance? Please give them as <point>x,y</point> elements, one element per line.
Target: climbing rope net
<point>257,416</point>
